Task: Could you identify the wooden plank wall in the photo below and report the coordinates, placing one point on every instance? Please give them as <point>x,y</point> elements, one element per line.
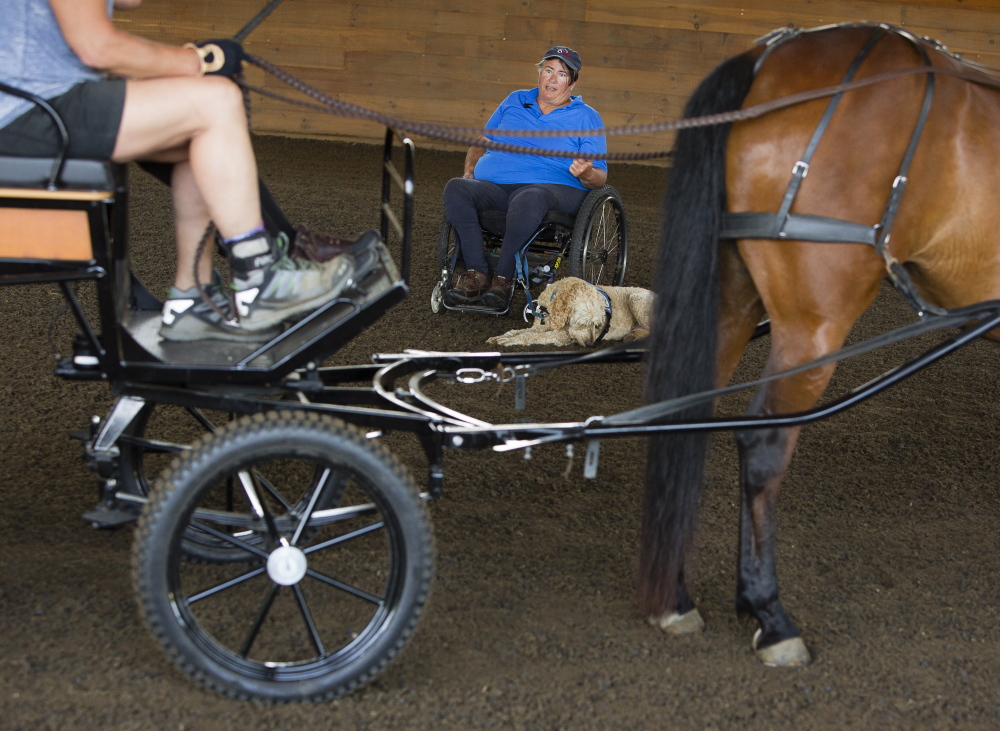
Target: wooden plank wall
<point>452,61</point>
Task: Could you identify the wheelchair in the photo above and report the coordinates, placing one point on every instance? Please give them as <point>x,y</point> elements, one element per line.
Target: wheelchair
<point>592,245</point>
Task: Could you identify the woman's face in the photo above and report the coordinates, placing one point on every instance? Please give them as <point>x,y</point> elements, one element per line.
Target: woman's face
<point>553,82</point>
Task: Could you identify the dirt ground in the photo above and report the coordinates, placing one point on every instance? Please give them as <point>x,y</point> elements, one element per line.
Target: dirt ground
<point>888,548</point>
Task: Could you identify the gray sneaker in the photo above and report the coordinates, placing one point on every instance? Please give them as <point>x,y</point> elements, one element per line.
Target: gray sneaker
<point>280,291</point>
<point>187,317</point>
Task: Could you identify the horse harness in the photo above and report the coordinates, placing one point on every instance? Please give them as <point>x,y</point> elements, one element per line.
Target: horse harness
<point>822,229</point>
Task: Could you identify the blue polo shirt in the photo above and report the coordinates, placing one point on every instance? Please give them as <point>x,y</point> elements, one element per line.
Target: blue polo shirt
<point>520,111</point>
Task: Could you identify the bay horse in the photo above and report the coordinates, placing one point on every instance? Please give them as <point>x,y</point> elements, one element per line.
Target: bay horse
<point>717,279</point>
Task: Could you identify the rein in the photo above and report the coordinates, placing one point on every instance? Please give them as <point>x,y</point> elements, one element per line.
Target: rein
<point>473,136</point>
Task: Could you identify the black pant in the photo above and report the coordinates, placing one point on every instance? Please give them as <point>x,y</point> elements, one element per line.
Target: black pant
<point>526,205</point>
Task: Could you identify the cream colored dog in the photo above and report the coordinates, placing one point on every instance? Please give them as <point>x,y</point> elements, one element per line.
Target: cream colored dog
<point>578,312</point>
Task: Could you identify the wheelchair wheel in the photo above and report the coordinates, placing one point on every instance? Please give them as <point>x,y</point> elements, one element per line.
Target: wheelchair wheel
<point>445,256</point>
<point>299,618</point>
<point>599,248</point>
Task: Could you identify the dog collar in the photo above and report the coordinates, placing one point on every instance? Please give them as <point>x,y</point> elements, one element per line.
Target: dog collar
<point>607,315</point>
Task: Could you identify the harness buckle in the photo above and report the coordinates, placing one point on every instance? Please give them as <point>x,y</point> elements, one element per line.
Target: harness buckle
<point>800,169</point>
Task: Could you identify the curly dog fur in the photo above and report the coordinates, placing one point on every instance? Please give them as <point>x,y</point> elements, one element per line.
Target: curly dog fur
<point>576,315</point>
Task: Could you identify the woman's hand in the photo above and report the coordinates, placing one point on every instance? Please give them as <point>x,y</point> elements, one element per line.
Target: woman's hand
<point>587,174</point>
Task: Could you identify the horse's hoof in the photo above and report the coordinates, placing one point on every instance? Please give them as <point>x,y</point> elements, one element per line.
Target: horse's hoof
<point>679,624</point>
<point>790,653</point>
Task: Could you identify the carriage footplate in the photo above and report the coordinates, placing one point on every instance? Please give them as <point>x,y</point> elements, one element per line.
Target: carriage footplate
<point>376,285</point>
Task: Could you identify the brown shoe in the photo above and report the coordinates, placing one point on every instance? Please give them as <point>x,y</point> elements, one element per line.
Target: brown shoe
<point>317,246</point>
<point>471,284</point>
<point>500,291</point>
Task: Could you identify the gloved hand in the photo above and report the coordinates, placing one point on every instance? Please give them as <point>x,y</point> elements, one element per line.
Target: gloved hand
<point>221,57</point>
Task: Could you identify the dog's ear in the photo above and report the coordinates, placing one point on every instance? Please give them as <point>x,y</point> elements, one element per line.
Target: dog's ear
<point>640,304</point>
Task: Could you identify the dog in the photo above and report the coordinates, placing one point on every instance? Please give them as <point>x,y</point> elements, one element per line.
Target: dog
<point>575,311</point>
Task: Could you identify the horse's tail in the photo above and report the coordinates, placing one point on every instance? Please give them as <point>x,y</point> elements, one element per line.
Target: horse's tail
<point>683,337</point>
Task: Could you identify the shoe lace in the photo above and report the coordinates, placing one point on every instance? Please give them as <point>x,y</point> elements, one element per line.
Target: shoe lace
<point>285,262</point>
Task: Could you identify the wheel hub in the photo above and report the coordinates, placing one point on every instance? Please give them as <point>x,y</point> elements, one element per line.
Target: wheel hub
<point>286,565</point>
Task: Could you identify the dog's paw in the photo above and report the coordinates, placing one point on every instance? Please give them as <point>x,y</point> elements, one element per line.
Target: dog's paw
<point>500,340</point>
<point>636,334</point>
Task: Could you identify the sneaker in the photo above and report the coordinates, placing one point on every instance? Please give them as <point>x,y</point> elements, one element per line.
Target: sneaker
<point>187,317</point>
<point>286,288</point>
<point>472,284</point>
<point>499,294</point>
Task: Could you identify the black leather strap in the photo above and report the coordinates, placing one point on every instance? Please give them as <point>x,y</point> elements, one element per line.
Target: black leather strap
<point>801,227</point>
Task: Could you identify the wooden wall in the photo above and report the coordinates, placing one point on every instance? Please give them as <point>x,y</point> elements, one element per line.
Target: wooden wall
<point>452,61</point>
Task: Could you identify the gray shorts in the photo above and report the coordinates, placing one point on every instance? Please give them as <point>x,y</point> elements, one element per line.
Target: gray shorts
<point>92,113</point>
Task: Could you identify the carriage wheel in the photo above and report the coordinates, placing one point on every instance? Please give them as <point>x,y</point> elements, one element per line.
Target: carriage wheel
<point>599,248</point>
<point>324,599</point>
<point>158,435</point>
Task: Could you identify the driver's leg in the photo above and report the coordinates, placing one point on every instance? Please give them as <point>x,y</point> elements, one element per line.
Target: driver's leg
<point>201,123</point>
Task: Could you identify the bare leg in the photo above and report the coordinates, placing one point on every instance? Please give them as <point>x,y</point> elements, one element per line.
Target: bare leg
<point>191,218</point>
<point>199,123</point>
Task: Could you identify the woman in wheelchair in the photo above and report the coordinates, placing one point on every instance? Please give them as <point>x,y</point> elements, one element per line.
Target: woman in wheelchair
<point>124,98</point>
<point>525,186</point>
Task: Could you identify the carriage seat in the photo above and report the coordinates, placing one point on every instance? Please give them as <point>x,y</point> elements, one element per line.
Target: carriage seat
<point>77,174</point>
<point>495,222</point>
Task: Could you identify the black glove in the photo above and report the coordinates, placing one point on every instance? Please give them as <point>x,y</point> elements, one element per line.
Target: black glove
<point>222,57</point>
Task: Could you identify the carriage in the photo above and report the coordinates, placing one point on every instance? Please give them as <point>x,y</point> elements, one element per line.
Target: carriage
<point>285,554</point>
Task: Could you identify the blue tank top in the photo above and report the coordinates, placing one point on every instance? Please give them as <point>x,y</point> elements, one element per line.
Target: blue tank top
<point>35,57</point>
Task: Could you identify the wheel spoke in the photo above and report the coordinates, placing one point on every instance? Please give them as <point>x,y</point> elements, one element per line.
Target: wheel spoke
<point>272,491</point>
<point>337,515</point>
<point>249,548</point>
<point>321,485</point>
<point>225,585</point>
<point>203,420</point>
<point>261,616</point>
<point>153,445</point>
<point>345,587</point>
<point>259,507</point>
<point>308,619</point>
<point>346,537</point>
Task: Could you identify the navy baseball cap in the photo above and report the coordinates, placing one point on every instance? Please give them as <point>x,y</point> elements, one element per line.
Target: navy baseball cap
<point>567,55</point>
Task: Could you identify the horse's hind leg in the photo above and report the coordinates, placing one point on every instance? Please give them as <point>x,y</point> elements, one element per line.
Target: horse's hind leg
<point>740,309</point>
<point>764,457</point>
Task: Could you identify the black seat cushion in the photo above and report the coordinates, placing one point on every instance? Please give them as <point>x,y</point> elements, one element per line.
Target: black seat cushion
<point>496,221</point>
<point>34,172</point>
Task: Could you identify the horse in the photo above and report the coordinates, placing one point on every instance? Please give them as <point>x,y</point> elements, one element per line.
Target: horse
<point>713,285</point>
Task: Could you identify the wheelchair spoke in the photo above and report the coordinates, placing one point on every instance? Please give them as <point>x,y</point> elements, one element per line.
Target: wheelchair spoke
<point>259,621</point>
<point>225,585</point>
<point>308,619</point>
